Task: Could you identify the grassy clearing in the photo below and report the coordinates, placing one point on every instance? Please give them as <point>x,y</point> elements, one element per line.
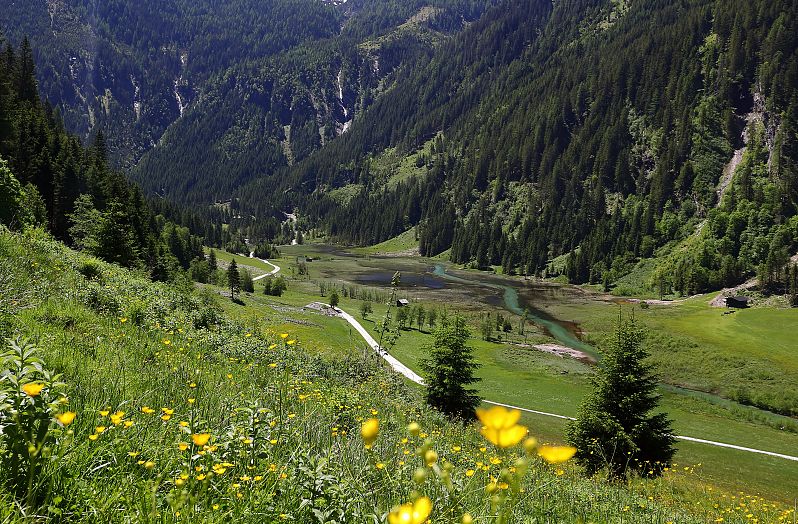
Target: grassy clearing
<point>400,243</point>
<point>283,416</point>
<point>749,355</point>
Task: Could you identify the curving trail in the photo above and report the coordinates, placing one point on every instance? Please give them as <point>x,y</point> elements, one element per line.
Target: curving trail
<point>270,273</point>
<point>414,377</point>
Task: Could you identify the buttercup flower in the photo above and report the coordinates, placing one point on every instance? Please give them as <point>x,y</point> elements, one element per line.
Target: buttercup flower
<point>200,439</point>
<point>370,430</point>
<point>556,454</point>
<point>65,419</point>
<point>501,426</point>
<point>415,513</point>
<point>32,389</point>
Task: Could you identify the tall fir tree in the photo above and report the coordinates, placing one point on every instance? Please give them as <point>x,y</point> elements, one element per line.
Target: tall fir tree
<point>449,370</point>
<point>616,427</point>
<point>233,279</point>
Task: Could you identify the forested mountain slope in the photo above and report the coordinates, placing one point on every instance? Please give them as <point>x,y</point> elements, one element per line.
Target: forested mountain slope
<point>596,129</point>
<point>249,86</point>
<point>595,132</point>
<point>49,180</point>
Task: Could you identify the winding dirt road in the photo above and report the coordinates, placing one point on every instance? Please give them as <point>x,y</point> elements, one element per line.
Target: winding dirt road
<point>270,273</point>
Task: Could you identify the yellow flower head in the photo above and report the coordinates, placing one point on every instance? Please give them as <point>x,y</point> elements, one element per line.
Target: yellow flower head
<point>33,389</point>
<point>147,410</point>
<point>182,446</point>
<point>284,335</point>
<point>200,439</point>
<point>291,342</point>
<point>415,513</point>
<point>65,419</point>
<point>117,417</point>
<point>556,454</point>
<point>370,430</point>
<point>501,426</point>
<point>414,429</point>
<point>430,457</point>
<point>104,412</point>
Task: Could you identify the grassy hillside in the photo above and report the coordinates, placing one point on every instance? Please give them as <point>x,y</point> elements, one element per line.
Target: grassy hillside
<point>151,370</point>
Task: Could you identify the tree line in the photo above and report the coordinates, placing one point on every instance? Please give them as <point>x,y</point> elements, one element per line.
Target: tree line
<point>49,179</point>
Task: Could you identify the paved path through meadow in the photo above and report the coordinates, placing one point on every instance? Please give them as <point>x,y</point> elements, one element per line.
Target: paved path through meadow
<point>414,377</point>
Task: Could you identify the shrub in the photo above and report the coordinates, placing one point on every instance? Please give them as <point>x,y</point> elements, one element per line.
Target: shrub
<point>30,400</point>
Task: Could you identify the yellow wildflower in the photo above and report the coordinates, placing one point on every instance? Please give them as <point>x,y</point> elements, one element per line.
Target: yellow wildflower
<point>284,335</point>
<point>116,418</point>
<point>430,457</point>
<point>147,410</point>
<point>370,430</point>
<point>411,513</point>
<point>200,439</point>
<point>501,426</point>
<point>65,419</point>
<point>33,389</point>
<point>556,454</point>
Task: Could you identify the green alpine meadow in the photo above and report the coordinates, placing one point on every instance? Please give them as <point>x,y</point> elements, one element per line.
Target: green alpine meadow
<point>402,262</point>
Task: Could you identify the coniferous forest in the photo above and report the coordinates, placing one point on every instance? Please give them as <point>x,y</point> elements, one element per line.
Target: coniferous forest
<point>51,180</point>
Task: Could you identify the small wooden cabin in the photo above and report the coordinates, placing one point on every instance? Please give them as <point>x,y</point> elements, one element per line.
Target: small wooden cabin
<point>738,302</point>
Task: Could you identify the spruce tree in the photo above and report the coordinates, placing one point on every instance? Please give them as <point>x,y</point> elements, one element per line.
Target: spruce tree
<point>212,260</point>
<point>449,370</point>
<point>233,279</point>
<point>247,284</point>
<point>615,427</point>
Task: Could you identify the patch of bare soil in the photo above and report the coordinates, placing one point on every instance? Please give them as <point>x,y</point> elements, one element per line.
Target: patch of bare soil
<point>561,351</point>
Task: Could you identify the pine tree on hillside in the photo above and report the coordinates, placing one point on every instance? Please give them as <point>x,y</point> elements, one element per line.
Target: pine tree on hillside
<point>233,279</point>
<point>615,427</point>
<point>449,370</point>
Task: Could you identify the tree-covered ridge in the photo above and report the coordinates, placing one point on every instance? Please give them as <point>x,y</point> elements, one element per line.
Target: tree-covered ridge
<point>134,69</point>
<point>597,130</point>
<point>47,178</point>
<point>130,69</point>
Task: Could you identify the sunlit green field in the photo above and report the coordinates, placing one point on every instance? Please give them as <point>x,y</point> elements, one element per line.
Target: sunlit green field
<point>148,367</point>
<point>535,380</point>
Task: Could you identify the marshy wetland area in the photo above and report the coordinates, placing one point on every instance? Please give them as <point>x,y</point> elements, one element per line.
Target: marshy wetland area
<point>729,378</point>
